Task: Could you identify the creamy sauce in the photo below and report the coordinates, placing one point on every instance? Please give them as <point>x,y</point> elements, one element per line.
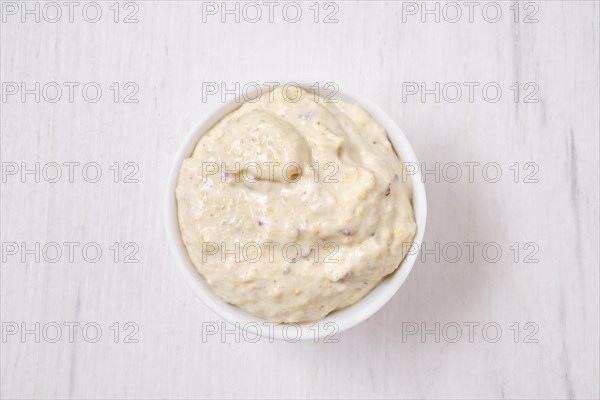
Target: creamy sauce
<point>291,210</point>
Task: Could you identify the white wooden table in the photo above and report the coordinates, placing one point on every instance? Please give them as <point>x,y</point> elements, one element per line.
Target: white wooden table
<point>540,294</point>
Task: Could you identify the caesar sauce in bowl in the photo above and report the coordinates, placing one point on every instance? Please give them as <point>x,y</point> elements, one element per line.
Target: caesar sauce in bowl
<point>295,208</point>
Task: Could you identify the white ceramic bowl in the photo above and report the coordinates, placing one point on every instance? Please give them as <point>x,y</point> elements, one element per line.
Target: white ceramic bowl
<point>251,326</point>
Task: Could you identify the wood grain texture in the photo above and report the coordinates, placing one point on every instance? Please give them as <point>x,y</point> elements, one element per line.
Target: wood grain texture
<point>169,53</point>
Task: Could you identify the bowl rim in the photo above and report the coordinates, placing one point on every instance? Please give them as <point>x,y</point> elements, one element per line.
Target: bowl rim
<point>337,321</point>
